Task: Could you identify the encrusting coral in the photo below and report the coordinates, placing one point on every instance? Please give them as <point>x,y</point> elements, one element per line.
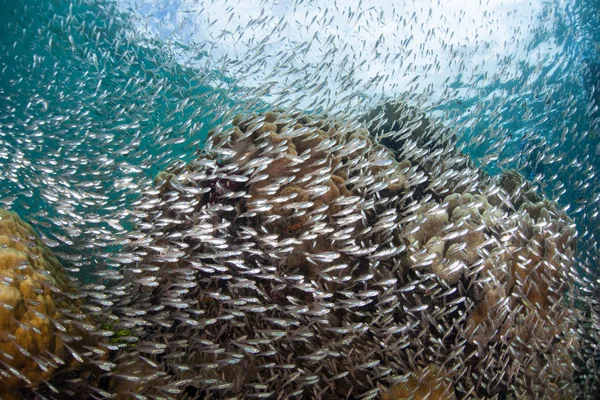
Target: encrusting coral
<point>43,332</point>
<point>297,256</point>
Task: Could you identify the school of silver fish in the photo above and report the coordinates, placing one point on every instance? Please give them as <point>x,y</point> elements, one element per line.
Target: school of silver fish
<point>310,236</point>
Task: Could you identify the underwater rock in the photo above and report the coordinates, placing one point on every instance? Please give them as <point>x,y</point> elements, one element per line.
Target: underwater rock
<point>297,256</point>
<point>44,334</point>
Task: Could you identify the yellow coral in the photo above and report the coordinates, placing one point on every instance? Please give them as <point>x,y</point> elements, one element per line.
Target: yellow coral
<point>33,330</point>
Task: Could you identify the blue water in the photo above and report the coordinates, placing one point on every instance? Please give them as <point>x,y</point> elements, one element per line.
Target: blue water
<point>69,77</point>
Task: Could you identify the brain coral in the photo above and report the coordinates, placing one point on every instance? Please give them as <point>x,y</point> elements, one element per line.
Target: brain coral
<point>299,257</point>
<point>42,330</point>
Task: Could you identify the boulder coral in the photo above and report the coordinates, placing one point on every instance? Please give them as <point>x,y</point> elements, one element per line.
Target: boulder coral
<point>43,332</point>
<point>296,256</point>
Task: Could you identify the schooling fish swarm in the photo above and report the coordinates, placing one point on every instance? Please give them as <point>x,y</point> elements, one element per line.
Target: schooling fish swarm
<point>389,274</point>
<point>296,257</point>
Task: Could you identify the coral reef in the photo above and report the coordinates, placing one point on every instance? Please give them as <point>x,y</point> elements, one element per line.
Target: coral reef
<point>299,257</point>
<point>43,331</point>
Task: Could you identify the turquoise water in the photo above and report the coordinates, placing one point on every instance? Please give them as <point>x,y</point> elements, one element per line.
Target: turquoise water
<point>97,97</point>
<point>87,113</point>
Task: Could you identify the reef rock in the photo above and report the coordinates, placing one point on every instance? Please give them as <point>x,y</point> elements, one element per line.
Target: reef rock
<point>299,257</point>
